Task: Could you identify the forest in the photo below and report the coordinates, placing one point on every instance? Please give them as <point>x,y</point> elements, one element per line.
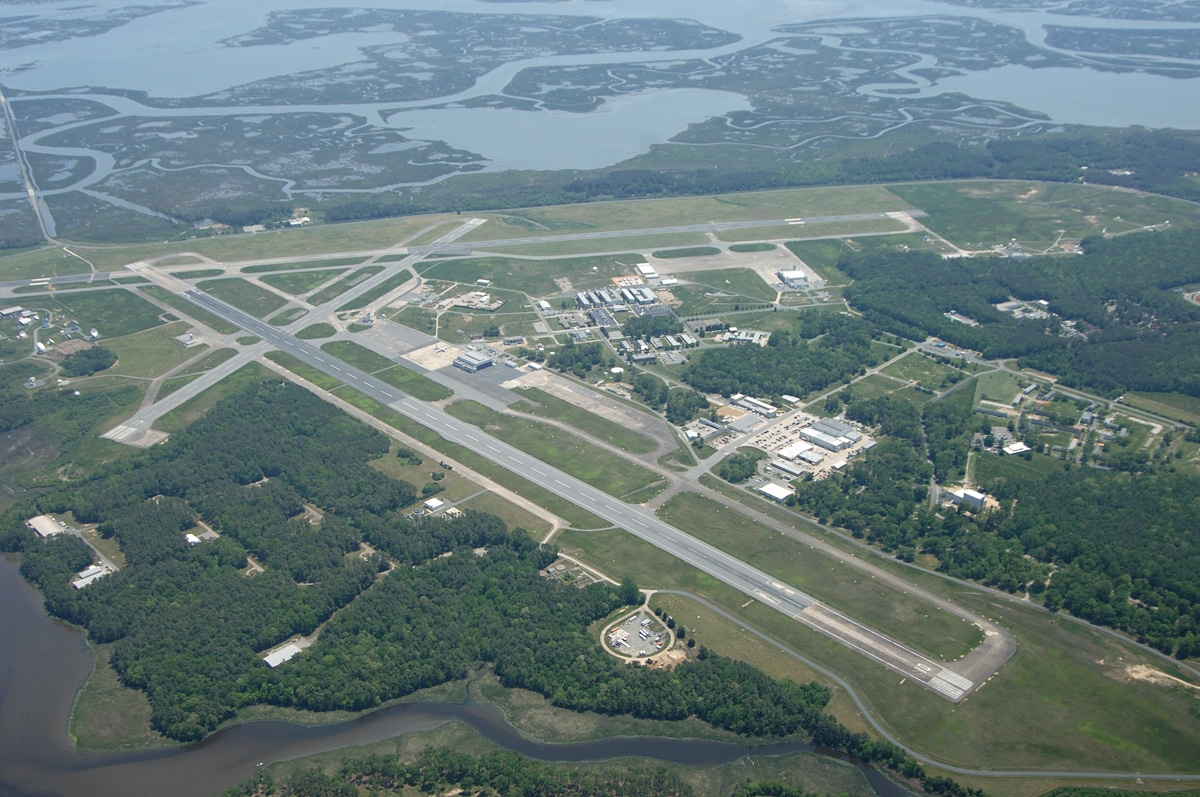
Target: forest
<point>286,481</point>
<point>792,362</point>
<point>1137,332</point>
<point>1117,549</point>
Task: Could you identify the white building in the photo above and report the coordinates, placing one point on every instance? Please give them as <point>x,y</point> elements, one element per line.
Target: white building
<point>285,653</point>
<point>44,525</point>
<point>775,492</point>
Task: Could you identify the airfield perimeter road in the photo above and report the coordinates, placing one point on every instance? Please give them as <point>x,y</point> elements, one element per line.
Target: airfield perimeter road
<point>997,647</point>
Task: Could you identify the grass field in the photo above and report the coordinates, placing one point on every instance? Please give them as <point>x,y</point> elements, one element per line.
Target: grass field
<point>510,513</point>
<point>758,247</point>
<point>196,274</point>
<point>109,716</point>
<point>986,467</point>
<point>245,296</point>
<point>298,282</point>
<point>534,277</point>
<point>922,370</point>
<point>379,291</point>
<point>316,331</point>
<point>358,356</point>
<point>743,281</point>
<point>884,608</point>
<point>419,318</point>
<point>1171,405</point>
<point>612,474</point>
<point>336,289</point>
<point>460,327</point>
<point>114,312</point>
<point>1000,386</point>
<point>43,262</point>
<point>553,407</point>
<point>874,386</point>
<point>151,353</point>
<point>979,214</point>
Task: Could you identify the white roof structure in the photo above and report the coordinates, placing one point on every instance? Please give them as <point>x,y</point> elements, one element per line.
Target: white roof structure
<point>1016,448</point>
<point>44,525</point>
<point>434,504</point>
<point>285,653</point>
<point>775,491</point>
<point>794,450</point>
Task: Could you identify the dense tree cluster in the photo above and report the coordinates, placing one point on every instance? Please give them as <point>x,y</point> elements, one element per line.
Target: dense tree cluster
<point>684,404</point>
<point>86,362</point>
<point>579,359</point>
<point>1141,334</point>
<point>1114,548</point>
<point>646,327</point>
<point>792,363</point>
<point>738,468</point>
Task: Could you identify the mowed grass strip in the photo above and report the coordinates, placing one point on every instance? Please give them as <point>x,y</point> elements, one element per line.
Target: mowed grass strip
<point>849,590</point>
<point>550,406</point>
<point>604,471</point>
<point>244,295</point>
<point>190,310</point>
<point>302,264</point>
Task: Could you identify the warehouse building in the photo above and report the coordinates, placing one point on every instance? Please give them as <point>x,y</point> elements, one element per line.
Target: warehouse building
<point>44,525</point>
<point>775,492</point>
<point>473,361</point>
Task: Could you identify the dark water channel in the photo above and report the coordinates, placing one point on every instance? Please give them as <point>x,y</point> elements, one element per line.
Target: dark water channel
<point>42,663</point>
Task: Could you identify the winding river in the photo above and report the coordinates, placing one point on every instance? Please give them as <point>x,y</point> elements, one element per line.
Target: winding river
<point>43,662</point>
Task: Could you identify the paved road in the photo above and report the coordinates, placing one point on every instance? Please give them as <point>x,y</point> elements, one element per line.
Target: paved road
<point>637,520</point>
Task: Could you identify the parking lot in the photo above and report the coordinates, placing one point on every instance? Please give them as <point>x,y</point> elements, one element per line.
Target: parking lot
<point>637,635</point>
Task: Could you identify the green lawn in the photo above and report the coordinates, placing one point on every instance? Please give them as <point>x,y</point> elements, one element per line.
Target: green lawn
<point>590,246</point>
<point>114,312</point>
<point>534,277</point>
<point>743,281</point>
<point>316,331</point>
<point>553,407</point>
<point>151,353</point>
<point>921,369</point>
<point>986,467</point>
<point>612,474</point>
<point>298,282</point>
<point>379,291</point>
<point>42,262</point>
<point>999,386</point>
<point>359,356</point>
<point>244,295</point>
<point>331,292</point>
<point>287,317</point>
<point>758,247</point>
